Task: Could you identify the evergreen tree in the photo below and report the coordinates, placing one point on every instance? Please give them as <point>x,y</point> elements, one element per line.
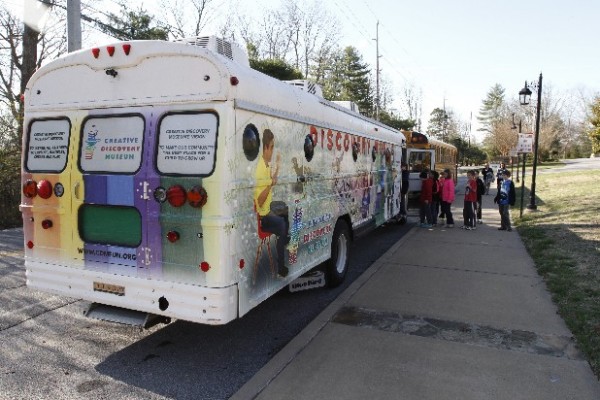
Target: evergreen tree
<point>346,78</point>
<point>356,86</point>
<point>491,112</point>
<point>438,123</point>
<point>276,68</point>
<point>133,25</point>
<point>594,119</point>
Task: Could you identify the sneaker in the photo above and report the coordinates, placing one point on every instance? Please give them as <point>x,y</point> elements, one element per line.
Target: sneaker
<point>426,226</point>
<point>463,227</point>
<point>509,229</point>
<point>468,228</point>
<point>480,222</point>
<point>501,229</point>
<point>282,272</point>
<point>449,226</point>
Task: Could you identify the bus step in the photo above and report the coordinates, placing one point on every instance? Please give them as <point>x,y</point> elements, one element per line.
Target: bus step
<point>141,319</point>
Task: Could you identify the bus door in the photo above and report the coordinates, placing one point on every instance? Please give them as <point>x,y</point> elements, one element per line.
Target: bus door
<point>397,176</point>
<point>46,178</point>
<point>185,154</point>
<point>419,160</point>
<point>111,194</point>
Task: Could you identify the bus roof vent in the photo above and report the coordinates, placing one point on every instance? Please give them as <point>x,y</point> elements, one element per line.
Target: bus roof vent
<point>220,46</point>
<point>307,86</point>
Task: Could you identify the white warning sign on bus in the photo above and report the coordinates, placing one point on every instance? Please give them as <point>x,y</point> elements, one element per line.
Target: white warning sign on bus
<point>187,143</point>
<point>48,145</point>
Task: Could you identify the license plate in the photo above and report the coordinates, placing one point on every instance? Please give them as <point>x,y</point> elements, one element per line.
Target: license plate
<point>109,288</point>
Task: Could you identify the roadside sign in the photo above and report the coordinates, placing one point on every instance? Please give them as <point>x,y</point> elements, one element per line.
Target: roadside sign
<point>525,143</point>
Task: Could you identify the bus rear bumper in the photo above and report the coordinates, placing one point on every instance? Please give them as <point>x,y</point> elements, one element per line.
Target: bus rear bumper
<point>213,306</point>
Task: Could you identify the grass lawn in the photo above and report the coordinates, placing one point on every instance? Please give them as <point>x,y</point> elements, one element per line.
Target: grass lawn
<point>563,238</point>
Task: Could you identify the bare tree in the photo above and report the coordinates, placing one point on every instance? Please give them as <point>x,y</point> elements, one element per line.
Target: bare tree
<point>185,18</point>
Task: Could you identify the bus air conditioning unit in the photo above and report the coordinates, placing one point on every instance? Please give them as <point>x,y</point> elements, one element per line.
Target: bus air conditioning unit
<point>220,46</point>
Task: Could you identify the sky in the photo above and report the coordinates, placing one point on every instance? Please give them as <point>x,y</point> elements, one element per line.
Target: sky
<point>456,51</point>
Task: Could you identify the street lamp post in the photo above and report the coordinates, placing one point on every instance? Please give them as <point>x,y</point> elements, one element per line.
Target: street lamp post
<point>524,98</point>
<point>514,126</point>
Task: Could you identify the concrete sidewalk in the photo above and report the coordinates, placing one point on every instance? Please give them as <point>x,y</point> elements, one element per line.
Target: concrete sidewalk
<point>444,314</point>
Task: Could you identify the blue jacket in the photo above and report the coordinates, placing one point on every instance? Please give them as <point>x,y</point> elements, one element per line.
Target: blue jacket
<point>506,193</point>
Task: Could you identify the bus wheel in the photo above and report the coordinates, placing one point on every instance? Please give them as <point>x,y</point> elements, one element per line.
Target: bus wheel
<point>340,252</point>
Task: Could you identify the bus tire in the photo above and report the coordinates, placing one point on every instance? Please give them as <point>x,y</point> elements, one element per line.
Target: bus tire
<point>337,265</point>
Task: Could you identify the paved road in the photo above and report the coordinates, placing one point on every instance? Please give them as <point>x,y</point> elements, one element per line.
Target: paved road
<point>579,164</point>
<point>51,351</point>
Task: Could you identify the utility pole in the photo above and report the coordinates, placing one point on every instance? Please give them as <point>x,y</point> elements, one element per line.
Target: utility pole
<point>377,72</point>
<point>73,25</point>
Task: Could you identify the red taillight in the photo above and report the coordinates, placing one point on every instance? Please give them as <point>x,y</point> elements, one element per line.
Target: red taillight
<point>46,224</point>
<point>126,49</point>
<point>44,189</point>
<point>30,245</point>
<point>242,263</point>
<point>176,196</point>
<point>234,80</point>
<point>173,236</point>
<point>96,52</point>
<point>204,266</point>
<point>197,196</point>
<point>30,188</point>
<point>111,50</point>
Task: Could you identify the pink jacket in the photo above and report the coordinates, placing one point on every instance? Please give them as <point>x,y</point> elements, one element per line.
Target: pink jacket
<point>448,191</point>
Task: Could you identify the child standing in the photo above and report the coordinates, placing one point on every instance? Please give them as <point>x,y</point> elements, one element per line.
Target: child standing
<point>425,200</point>
<point>505,198</point>
<point>448,198</point>
<point>480,193</point>
<point>435,197</point>
<point>469,216</point>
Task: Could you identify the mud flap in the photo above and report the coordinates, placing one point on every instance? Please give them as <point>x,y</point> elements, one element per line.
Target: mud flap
<point>119,315</point>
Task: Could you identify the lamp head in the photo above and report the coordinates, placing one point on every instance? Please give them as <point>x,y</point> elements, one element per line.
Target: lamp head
<point>525,95</point>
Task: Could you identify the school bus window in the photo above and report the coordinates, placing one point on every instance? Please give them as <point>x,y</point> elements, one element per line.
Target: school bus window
<point>112,144</point>
<point>48,145</point>
<point>187,144</point>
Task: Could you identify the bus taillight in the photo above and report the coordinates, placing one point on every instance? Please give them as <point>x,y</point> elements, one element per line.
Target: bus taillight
<point>126,48</point>
<point>47,224</point>
<point>96,52</point>
<point>30,188</point>
<point>204,266</point>
<point>197,196</point>
<point>173,236</point>
<point>44,189</point>
<point>176,195</point>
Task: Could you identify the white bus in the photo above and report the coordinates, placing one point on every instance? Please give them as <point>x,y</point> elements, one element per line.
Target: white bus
<point>157,177</point>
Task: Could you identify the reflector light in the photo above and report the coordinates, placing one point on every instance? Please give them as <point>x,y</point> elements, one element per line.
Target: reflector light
<point>46,224</point>
<point>126,49</point>
<point>176,196</point>
<point>204,266</point>
<point>160,194</point>
<point>173,236</point>
<point>30,188</point>
<point>242,263</point>
<point>96,52</point>
<point>30,245</point>
<point>59,189</point>
<point>234,80</point>
<point>44,189</point>
<point>111,50</point>
<point>197,196</point>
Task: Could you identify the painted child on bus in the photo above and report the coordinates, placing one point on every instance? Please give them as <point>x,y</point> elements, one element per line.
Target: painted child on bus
<point>273,214</point>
